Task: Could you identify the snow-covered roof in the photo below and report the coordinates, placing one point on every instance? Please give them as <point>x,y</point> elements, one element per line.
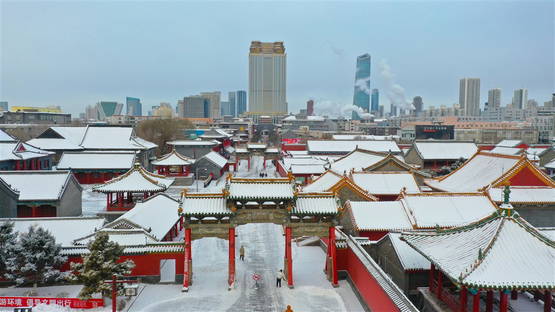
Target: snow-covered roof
<point>137,179</point>
<point>20,151</point>
<point>379,216</point>
<point>151,247</point>
<point>357,160</point>
<point>345,146</point>
<point>429,150</point>
<point>410,259</point>
<point>364,137</point>
<point>501,252</point>
<point>272,150</point>
<point>216,159</point>
<point>506,150</point>
<point>478,172</point>
<point>548,232</point>
<point>72,134</point>
<point>428,210</point>
<point>204,204</point>
<point>525,194</point>
<point>215,134</point>
<point>37,185</point>
<point>173,159</point>
<point>323,183</point>
<point>385,183</point>
<point>316,204</point>
<point>96,160</point>
<point>192,143</point>
<point>302,160</point>
<point>256,146</point>
<point>54,144</point>
<point>260,188</point>
<point>307,169</point>
<point>550,165</point>
<point>534,153</point>
<point>509,143</point>
<point>157,215</point>
<point>4,137</point>
<point>288,118</point>
<point>123,237</point>
<point>94,137</point>
<point>64,229</point>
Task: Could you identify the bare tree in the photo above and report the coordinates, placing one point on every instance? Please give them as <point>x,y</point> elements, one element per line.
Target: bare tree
<point>160,131</point>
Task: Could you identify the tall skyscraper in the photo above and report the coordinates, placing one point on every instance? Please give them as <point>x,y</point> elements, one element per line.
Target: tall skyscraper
<point>241,102</point>
<point>469,96</point>
<point>108,108</point>
<point>520,98</point>
<point>310,108</point>
<point>232,103</point>
<point>494,99</point>
<point>418,104</point>
<point>267,78</point>
<point>375,105</point>
<point>4,106</point>
<point>361,97</point>
<point>195,106</point>
<point>134,106</point>
<point>214,99</point>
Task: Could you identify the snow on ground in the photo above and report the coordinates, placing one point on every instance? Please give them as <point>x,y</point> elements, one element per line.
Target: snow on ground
<point>93,202</point>
<point>264,251</point>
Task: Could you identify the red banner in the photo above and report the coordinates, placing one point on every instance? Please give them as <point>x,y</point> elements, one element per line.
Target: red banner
<point>74,303</point>
<point>291,141</point>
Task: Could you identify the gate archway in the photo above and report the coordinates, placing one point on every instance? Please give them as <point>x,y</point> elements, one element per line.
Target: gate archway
<point>255,200</point>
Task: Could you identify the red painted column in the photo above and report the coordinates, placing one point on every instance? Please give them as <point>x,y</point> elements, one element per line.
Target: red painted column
<point>288,257</point>
<point>249,163</point>
<point>333,255</point>
<point>107,201</point>
<point>514,295</point>
<point>439,284</point>
<point>489,301</point>
<point>503,301</point>
<point>548,301</point>
<point>187,262</point>
<point>34,212</point>
<point>120,200</point>
<point>231,270</point>
<point>476,302</point>
<point>431,277</point>
<point>264,162</point>
<point>463,299</point>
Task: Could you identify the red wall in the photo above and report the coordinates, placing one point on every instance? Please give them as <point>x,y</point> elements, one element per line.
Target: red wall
<point>369,289</point>
<point>293,147</point>
<point>145,265</point>
<point>373,235</point>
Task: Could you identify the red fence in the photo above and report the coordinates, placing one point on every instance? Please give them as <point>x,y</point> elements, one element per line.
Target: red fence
<point>74,303</point>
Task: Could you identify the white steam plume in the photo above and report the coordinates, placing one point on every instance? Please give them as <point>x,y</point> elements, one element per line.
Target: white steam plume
<point>363,85</point>
<point>334,109</point>
<point>395,92</point>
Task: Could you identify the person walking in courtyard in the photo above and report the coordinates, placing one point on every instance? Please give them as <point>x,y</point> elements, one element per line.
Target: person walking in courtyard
<point>288,309</point>
<point>279,277</point>
<point>242,253</point>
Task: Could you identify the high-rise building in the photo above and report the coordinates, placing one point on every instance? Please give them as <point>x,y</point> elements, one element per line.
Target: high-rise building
<point>232,103</point>
<point>494,99</point>
<point>134,106</point>
<point>361,97</point>
<point>107,109</point>
<point>310,108</point>
<point>520,98</point>
<point>375,105</point>
<point>4,107</point>
<point>195,106</point>
<point>214,99</point>
<point>469,96</point>
<point>225,108</point>
<point>267,78</point>
<point>91,112</point>
<point>241,102</point>
<point>418,104</point>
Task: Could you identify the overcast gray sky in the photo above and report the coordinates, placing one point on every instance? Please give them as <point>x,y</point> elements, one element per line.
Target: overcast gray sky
<point>75,53</point>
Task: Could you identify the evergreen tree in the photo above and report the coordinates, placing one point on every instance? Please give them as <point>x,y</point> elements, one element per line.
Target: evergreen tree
<point>34,258</point>
<point>99,265</point>
<point>7,240</point>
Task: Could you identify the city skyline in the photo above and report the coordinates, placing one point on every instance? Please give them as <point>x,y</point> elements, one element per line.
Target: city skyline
<point>320,66</point>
